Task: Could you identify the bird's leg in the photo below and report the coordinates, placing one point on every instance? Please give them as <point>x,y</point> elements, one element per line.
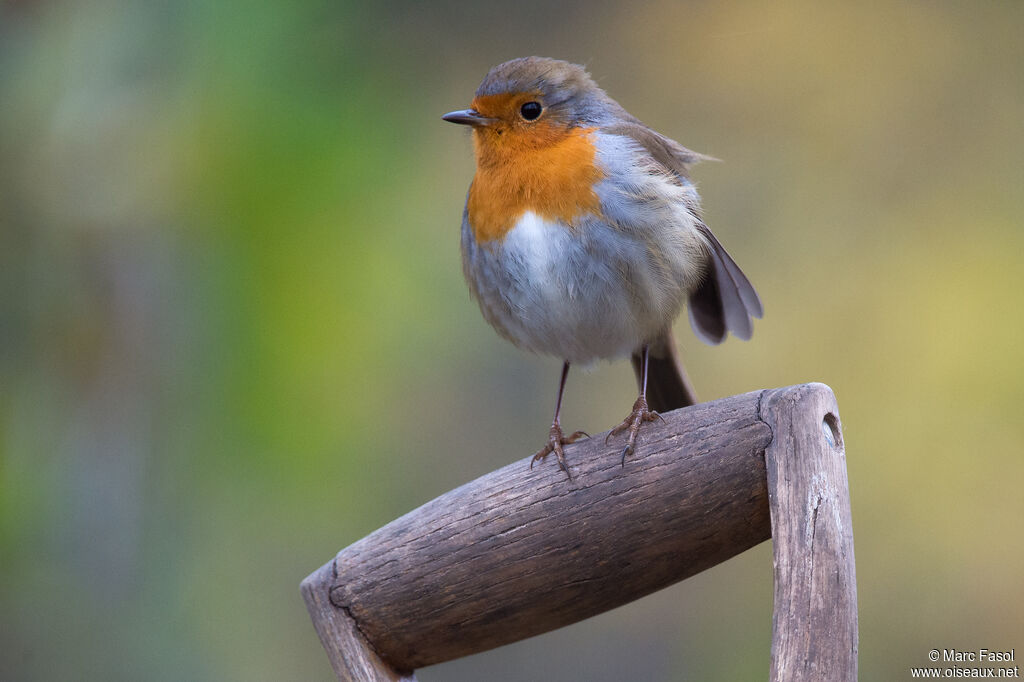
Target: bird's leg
<point>555,438</point>
<point>640,414</point>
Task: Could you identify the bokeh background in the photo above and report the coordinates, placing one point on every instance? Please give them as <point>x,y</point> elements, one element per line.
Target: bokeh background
<point>234,335</point>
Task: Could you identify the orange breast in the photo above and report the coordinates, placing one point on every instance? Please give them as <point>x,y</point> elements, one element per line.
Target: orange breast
<point>544,169</point>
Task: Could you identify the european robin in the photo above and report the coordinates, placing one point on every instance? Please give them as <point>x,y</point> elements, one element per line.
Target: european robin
<point>582,236</point>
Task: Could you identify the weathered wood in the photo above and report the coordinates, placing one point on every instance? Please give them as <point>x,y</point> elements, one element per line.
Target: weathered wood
<point>814,623</point>
<point>351,655</point>
<point>519,552</point>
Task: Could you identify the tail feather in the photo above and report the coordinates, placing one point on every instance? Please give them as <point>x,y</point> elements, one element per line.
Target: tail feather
<point>668,387</point>
<point>724,302</point>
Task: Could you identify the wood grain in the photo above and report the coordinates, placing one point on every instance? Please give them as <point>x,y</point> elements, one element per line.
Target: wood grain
<point>519,552</point>
<point>814,623</point>
<point>351,655</point>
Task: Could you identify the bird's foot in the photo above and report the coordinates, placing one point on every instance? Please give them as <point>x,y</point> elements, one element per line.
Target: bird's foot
<point>632,423</point>
<point>555,442</point>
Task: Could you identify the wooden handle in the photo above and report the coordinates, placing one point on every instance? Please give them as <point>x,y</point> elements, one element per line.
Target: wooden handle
<point>519,552</point>
<point>814,621</point>
<point>350,654</point>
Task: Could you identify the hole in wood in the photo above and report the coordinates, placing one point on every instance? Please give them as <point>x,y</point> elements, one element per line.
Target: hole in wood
<point>830,427</point>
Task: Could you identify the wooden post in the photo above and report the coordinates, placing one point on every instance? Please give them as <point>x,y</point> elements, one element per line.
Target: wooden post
<point>522,551</point>
<point>814,621</point>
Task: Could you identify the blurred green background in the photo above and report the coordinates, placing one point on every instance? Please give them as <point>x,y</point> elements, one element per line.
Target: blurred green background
<point>234,335</point>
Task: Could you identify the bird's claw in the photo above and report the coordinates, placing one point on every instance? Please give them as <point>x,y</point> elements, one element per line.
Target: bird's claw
<point>632,423</point>
<point>555,442</point>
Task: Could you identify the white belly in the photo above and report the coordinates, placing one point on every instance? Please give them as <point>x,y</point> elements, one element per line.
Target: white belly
<point>579,294</point>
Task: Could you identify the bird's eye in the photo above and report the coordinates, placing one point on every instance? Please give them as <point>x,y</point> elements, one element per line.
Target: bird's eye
<point>530,111</point>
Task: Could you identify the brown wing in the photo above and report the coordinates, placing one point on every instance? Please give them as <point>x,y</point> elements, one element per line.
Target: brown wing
<point>725,301</point>
<point>669,153</point>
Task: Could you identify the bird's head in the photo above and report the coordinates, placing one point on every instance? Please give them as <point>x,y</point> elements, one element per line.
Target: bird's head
<point>531,103</point>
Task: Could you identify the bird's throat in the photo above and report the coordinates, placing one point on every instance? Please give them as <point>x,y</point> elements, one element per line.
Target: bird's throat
<point>514,175</point>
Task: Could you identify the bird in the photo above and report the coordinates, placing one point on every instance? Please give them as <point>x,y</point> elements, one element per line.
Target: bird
<point>582,237</point>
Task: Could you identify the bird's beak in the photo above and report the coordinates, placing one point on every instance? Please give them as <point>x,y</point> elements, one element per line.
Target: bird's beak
<point>469,117</point>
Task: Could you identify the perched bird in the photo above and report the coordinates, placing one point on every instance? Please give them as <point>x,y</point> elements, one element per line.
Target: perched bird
<point>582,236</point>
